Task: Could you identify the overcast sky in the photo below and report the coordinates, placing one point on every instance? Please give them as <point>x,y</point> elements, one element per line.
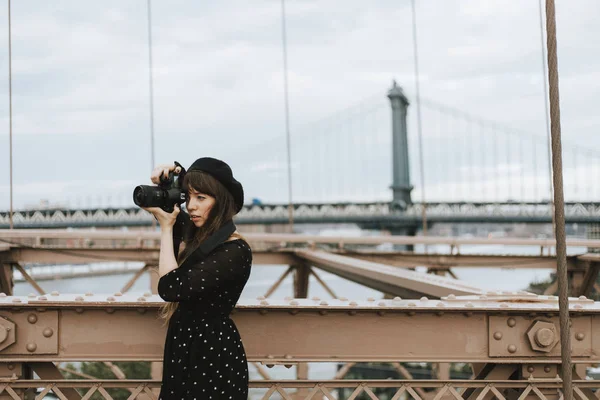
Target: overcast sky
<point>81,124</point>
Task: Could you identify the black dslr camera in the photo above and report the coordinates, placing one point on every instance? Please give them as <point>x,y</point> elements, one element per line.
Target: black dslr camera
<point>165,195</point>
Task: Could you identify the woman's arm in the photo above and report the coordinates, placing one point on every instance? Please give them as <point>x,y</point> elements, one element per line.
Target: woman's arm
<point>227,266</point>
<point>166,258</point>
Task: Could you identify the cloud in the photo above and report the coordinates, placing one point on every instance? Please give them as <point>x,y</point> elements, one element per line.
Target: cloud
<point>81,95</point>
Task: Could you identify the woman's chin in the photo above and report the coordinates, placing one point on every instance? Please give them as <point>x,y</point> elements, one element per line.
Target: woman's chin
<point>198,223</point>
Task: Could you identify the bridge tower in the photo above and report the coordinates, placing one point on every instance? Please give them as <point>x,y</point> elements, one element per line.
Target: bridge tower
<point>401,186</point>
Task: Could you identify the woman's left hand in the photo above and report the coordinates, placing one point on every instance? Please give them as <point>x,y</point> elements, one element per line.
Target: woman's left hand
<point>165,219</point>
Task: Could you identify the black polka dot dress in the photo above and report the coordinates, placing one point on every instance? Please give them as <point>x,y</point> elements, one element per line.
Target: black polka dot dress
<point>204,356</point>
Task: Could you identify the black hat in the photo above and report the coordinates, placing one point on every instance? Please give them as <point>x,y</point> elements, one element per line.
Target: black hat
<point>222,172</point>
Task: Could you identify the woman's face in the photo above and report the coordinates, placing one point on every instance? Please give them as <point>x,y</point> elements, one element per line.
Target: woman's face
<point>198,206</point>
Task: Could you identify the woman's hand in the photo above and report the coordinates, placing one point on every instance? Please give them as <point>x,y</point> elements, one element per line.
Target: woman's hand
<point>163,170</point>
<point>165,220</point>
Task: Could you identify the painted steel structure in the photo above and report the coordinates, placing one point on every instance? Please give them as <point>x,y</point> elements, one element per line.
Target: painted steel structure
<point>511,340</point>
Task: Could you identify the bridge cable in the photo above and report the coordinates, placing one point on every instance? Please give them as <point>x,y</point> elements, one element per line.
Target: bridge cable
<point>559,210</point>
<point>10,146</point>
<point>151,92</point>
<point>151,84</point>
<point>419,125</point>
<point>547,116</point>
<point>287,117</point>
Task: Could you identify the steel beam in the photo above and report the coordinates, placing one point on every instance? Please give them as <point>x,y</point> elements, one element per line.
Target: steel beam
<point>385,278</point>
<point>500,329</point>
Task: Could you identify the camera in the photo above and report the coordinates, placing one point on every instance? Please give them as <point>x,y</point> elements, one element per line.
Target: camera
<point>165,195</point>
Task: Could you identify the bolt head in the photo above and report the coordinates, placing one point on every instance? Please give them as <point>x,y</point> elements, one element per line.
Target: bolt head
<point>543,336</point>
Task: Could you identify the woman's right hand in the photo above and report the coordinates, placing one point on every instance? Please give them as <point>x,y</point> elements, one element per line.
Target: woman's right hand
<point>163,170</point>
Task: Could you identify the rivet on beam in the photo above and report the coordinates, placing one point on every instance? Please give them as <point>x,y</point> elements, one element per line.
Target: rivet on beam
<point>451,296</point>
<point>79,310</point>
<point>397,298</point>
<point>498,335</point>
<point>264,303</point>
<point>577,306</point>
<point>118,294</point>
<point>141,299</point>
<point>32,318</point>
<point>424,298</point>
<point>16,300</point>
<point>371,299</point>
<point>323,303</point>
<point>260,298</point>
<point>294,303</point>
<point>31,347</point>
<point>580,336</point>
<point>511,322</point>
<point>47,332</point>
<point>55,293</point>
<point>469,304</point>
<point>287,298</point>
<point>343,299</point>
<point>411,304</point>
<point>147,294</point>
<point>79,298</point>
<point>89,294</point>
<point>31,295</point>
<point>582,298</point>
<point>110,298</point>
<point>503,305</point>
<point>110,310</point>
<point>2,294</point>
<point>315,298</point>
<point>42,298</point>
<point>381,304</point>
<point>353,304</point>
<point>511,348</point>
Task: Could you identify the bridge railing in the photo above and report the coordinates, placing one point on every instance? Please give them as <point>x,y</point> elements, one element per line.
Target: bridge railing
<point>151,239</point>
<point>542,389</point>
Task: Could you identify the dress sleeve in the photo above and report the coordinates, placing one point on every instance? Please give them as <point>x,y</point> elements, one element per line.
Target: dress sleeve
<point>226,266</point>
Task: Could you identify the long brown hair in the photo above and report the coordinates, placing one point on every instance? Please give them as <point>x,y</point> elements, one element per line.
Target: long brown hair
<point>221,212</point>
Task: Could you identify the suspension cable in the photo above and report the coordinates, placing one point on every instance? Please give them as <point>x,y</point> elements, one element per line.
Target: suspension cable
<point>419,125</point>
<point>287,117</point>
<point>151,84</point>
<point>10,146</point>
<point>559,210</point>
<point>547,117</point>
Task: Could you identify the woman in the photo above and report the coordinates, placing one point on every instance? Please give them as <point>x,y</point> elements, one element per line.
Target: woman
<point>204,357</point>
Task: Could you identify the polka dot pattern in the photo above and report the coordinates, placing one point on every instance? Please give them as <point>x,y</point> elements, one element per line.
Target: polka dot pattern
<point>204,356</point>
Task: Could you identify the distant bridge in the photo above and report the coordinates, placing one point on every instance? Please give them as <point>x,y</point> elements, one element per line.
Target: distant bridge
<point>367,215</point>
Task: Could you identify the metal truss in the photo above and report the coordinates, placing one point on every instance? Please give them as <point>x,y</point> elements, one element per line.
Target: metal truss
<point>541,389</point>
<point>359,213</point>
